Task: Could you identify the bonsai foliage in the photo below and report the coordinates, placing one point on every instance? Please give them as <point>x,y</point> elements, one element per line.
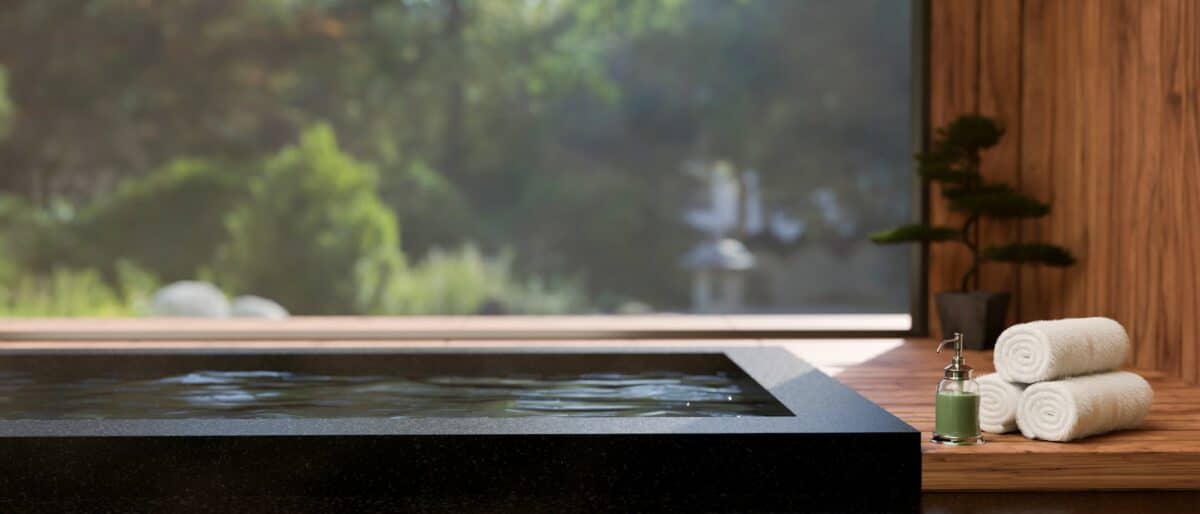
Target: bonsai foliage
<point>953,161</point>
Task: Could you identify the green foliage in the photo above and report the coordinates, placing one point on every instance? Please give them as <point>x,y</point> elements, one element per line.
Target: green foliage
<point>6,106</point>
<point>141,220</point>
<point>951,193</point>
<point>1048,255</point>
<point>942,168</point>
<point>35,239</point>
<point>954,161</point>
<point>433,210</point>
<point>537,295</point>
<point>467,282</point>
<point>308,230</point>
<point>73,292</point>
<point>913,233</point>
<point>314,234</point>
<point>998,204</point>
<point>11,209</point>
<point>968,134</point>
<point>612,223</point>
<point>447,283</point>
<point>954,157</point>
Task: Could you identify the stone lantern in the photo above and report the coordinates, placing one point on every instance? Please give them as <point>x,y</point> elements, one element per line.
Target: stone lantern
<point>719,268</point>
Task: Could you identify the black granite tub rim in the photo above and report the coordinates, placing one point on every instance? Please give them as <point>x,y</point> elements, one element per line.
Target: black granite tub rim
<point>817,402</point>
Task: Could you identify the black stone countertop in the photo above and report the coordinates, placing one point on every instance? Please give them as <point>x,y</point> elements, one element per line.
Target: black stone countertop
<point>838,452</point>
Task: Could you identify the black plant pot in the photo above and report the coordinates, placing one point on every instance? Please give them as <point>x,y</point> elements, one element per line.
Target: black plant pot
<point>979,316</point>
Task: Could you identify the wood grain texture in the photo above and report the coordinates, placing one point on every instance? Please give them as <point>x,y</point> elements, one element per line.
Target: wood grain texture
<point>975,63</point>
<point>1164,453</point>
<point>953,90</point>
<point>1108,130</point>
<point>999,96</point>
<point>1181,163</point>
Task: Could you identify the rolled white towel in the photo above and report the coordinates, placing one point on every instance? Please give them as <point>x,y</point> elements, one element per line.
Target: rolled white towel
<point>1047,350</point>
<point>998,400</point>
<point>1062,410</point>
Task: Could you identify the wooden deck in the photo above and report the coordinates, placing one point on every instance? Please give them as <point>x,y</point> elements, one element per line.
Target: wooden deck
<point>900,375</point>
<point>1163,454</point>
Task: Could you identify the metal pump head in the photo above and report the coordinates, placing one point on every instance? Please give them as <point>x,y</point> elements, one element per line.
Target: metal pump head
<point>958,368</point>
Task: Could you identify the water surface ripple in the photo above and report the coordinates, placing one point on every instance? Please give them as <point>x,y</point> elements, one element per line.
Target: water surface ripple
<point>263,394</point>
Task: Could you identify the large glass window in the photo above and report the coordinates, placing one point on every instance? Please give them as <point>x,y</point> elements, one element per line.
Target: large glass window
<point>405,157</point>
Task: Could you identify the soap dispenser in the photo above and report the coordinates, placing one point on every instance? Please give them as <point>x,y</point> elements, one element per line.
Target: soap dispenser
<point>957,406</point>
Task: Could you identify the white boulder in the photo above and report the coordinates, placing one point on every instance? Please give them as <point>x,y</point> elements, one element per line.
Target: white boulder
<point>190,298</point>
<point>249,306</point>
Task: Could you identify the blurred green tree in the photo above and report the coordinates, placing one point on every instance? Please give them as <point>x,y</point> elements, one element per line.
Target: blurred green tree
<point>314,235</point>
<point>141,220</point>
<point>6,106</point>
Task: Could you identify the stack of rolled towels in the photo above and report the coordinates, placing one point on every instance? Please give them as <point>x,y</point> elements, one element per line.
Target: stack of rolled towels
<point>1054,381</point>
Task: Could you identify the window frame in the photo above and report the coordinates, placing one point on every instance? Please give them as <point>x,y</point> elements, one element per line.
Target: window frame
<point>592,327</point>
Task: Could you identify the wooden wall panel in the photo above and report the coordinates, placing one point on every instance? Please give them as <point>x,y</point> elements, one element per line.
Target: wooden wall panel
<point>1000,97</point>
<point>1139,157</point>
<point>953,89</point>
<point>975,67</point>
<point>1180,55</point>
<point>1042,140</point>
<point>1106,98</point>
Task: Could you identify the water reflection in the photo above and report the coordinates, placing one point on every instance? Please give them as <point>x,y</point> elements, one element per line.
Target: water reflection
<point>249,394</point>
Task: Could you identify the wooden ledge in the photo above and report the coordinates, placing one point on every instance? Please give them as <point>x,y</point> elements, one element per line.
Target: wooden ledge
<point>476,328</point>
<point>1162,454</point>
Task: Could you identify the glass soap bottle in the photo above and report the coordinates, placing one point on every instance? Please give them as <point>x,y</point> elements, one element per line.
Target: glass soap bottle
<point>957,407</point>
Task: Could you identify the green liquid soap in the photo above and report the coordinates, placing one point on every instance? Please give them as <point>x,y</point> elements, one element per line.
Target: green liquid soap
<point>957,414</point>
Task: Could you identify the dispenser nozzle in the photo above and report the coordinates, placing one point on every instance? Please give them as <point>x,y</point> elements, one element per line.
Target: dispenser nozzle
<point>957,340</point>
<point>958,368</point>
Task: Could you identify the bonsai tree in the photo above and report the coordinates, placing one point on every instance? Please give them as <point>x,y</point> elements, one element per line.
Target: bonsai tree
<point>953,161</point>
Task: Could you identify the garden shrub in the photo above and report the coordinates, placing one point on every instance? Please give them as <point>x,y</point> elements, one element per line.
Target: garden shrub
<point>67,292</point>
<point>466,281</point>
<point>169,222</point>
<point>32,239</point>
<point>313,234</point>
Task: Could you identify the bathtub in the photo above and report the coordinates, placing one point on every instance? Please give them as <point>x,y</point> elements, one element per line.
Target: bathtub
<point>551,429</point>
